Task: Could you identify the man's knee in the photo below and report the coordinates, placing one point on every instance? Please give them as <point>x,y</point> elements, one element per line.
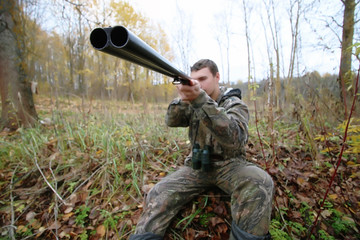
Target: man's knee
<point>252,204</point>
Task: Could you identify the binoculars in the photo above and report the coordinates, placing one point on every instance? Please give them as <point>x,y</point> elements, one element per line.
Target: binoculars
<point>201,157</point>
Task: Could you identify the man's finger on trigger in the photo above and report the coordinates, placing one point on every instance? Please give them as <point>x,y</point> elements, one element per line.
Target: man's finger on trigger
<point>192,82</point>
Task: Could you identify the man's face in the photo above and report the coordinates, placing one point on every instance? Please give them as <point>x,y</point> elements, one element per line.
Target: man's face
<point>208,82</point>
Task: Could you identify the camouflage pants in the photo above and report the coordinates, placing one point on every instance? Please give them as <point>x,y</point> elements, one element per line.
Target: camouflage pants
<point>250,187</point>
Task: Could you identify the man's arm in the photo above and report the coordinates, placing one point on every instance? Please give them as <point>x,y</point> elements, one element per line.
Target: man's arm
<point>178,114</point>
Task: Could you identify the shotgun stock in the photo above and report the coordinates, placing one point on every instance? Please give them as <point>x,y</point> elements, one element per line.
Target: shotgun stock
<point>120,42</point>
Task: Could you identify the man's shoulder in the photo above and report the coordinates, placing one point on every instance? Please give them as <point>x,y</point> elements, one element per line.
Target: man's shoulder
<point>230,93</point>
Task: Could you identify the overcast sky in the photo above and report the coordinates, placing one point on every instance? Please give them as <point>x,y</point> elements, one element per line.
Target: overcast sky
<point>203,14</point>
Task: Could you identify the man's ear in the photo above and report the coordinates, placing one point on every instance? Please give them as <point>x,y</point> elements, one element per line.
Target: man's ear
<point>217,76</point>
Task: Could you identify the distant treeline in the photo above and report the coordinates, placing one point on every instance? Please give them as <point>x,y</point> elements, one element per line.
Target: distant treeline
<point>310,85</point>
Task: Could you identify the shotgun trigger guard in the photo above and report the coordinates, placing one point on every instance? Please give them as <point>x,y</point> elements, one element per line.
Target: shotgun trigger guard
<point>178,81</point>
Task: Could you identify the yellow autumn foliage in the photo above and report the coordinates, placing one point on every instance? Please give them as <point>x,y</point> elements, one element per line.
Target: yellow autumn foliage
<point>353,137</point>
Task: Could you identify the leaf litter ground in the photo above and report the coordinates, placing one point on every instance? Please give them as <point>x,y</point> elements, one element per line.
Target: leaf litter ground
<point>101,185</point>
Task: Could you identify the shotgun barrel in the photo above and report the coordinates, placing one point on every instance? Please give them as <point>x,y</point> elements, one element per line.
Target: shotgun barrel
<point>120,42</point>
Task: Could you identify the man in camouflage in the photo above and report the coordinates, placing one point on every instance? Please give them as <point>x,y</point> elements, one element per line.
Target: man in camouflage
<point>216,117</point>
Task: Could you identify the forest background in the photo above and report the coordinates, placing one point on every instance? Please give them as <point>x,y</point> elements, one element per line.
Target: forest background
<point>82,133</point>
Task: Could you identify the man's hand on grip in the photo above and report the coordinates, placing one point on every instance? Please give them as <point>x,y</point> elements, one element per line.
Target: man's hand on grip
<point>189,92</point>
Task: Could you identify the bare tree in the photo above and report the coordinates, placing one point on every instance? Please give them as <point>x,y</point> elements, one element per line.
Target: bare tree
<point>16,97</point>
<point>294,17</point>
<point>223,35</point>
<point>345,75</point>
<point>74,19</point>
<point>274,29</point>
<point>248,40</point>
<point>183,37</point>
<point>337,23</point>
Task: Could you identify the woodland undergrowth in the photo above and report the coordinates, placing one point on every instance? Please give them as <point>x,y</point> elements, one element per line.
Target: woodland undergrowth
<point>83,172</point>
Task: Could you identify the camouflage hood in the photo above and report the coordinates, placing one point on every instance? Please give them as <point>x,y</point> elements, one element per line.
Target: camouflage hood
<point>227,93</point>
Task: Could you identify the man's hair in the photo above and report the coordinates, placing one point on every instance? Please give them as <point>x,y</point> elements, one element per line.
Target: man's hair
<point>203,63</point>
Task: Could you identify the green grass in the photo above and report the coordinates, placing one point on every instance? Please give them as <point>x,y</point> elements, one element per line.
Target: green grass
<point>99,162</point>
<point>104,159</point>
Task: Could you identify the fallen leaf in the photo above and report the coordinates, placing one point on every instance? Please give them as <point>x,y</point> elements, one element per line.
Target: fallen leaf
<point>30,215</point>
<point>101,230</point>
<point>62,234</point>
<point>190,234</point>
<point>94,213</point>
<point>215,221</point>
<point>35,223</point>
<point>55,225</point>
<point>326,213</point>
<point>53,156</point>
<point>273,170</point>
<point>295,214</point>
<point>300,181</point>
<point>68,210</point>
<point>146,188</point>
<point>333,196</point>
<point>221,228</point>
<point>21,228</point>
<point>66,216</point>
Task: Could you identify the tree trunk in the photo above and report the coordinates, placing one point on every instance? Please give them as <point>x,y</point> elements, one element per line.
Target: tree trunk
<point>274,29</point>
<point>247,35</point>
<point>347,41</point>
<point>16,97</point>
<point>294,17</point>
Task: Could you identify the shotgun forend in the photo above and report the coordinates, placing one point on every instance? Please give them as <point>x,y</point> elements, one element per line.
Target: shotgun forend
<point>120,42</point>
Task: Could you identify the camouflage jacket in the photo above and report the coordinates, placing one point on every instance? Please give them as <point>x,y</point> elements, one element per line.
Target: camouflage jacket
<point>222,124</point>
